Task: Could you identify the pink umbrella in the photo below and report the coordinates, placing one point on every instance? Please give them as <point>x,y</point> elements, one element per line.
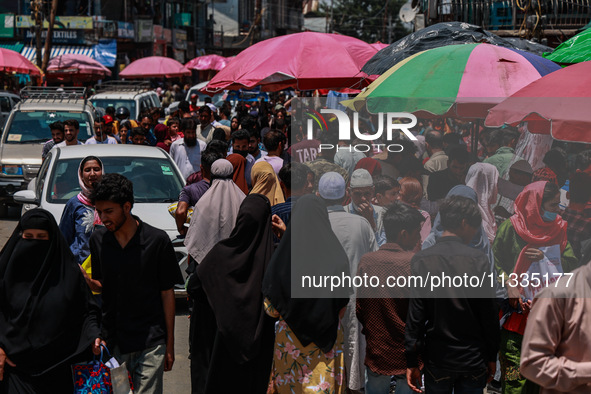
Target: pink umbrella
<point>11,61</point>
<point>155,67</point>
<point>557,104</point>
<point>303,61</point>
<point>81,65</point>
<point>379,46</point>
<point>208,62</point>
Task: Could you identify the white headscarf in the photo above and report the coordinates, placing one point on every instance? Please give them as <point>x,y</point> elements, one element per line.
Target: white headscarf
<point>215,213</point>
<point>483,178</point>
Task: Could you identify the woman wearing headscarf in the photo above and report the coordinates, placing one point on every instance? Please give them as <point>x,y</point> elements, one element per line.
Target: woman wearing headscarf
<point>239,177</point>
<point>79,218</point>
<point>531,243</point>
<point>215,213</point>
<point>48,319</point>
<point>230,332</point>
<point>308,355</point>
<point>483,178</point>
<point>265,182</point>
<point>411,192</point>
<point>162,137</point>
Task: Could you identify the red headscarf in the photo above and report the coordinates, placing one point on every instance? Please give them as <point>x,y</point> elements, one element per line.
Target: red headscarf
<point>239,177</point>
<point>371,165</point>
<point>530,226</point>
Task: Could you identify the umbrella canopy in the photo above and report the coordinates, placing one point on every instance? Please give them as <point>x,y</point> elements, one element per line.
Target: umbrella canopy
<point>574,50</point>
<point>303,61</point>
<point>435,36</point>
<point>155,67</point>
<point>208,62</point>
<point>78,65</point>
<point>455,80</point>
<point>11,61</point>
<point>379,45</point>
<point>557,104</point>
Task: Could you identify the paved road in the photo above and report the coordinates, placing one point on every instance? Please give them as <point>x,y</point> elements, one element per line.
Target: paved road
<point>176,381</point>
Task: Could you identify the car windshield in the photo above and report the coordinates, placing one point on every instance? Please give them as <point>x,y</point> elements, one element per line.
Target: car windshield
<point>28,127</point>
<point>202,96</point>
<point>154,180</point>
<point>115,103</point>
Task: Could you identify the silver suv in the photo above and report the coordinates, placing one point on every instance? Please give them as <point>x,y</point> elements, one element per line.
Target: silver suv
<point>27,130</point>
<point>134,96</point>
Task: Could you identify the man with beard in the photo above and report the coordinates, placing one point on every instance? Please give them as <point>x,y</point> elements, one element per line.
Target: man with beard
<point>57,136</point>
<point>137,270</point>
<point>186,152</point>
<point>71,129</point>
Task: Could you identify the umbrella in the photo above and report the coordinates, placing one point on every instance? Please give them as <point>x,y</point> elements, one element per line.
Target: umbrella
<point>574,50</point>
<point>303,61</point>
<point>11,61</point>
<point>435,36</point>
<point>208,62</point>
<point>455,80</point>
<point>154,67</point>
<point>379,45</point>
<point>557,104</point>
<point>76,66</point>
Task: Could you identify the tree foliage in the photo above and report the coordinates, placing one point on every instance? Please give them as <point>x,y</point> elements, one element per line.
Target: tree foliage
<point>366,19</point>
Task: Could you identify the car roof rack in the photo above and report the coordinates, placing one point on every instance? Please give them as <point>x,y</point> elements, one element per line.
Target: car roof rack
<point>56,94</point>
<point>123,86</point>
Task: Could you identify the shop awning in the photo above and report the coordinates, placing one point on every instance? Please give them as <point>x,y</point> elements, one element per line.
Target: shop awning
<point>30,52</point>
<point>15,46</point>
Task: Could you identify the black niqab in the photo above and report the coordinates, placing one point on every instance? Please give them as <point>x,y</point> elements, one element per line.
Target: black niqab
<point>232,273</point>
<point>308,247</point>
<point>47,313</point>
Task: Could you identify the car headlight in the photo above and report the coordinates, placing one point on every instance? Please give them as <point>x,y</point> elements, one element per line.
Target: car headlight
<point>12,169</point>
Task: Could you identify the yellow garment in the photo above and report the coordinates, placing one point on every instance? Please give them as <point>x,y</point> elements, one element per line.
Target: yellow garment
<point>87,266</point>
<point>265,182</point>
<point>299,369</point>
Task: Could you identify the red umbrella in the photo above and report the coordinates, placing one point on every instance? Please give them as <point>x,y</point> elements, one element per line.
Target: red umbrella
<point>154,67</point>
<point>208,62</point>
<point>11,61</point>
<point>303,61</point>
<point>76,66</point>
<point>556,104</point>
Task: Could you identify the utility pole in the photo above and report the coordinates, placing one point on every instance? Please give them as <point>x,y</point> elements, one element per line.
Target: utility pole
<point>36,8</point>
<point>331,26</point>
<point>49,38</point>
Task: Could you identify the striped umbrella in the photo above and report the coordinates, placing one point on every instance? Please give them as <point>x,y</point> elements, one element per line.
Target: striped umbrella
<point>455,80</point>
<point>574,50</point>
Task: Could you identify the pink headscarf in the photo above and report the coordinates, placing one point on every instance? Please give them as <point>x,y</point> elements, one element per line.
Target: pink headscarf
<point>483,178</point>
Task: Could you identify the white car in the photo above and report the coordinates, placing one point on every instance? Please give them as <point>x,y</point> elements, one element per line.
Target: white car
<point>202,96</point>
<point>133,96</point>
<point>156,179</point>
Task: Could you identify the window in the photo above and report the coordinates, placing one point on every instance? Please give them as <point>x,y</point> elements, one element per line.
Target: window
<point>115,103</point>
<point>5,104</point>
<point>154,180</point>
<point>33,127</point>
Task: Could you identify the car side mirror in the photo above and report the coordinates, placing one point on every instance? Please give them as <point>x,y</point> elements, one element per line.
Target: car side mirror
<point>26,197</point>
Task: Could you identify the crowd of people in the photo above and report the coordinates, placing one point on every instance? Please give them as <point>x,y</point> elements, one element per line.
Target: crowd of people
<point>263,206</point>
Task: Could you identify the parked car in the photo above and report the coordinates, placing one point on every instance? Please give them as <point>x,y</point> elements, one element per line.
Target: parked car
<point>136,97</point>
<point>7,102</point>
<point>156,179</point>
<point>27,129</point>
<point>201,96</point>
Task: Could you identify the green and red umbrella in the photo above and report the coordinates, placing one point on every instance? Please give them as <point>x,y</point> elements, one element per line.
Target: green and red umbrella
<point>453,81</point>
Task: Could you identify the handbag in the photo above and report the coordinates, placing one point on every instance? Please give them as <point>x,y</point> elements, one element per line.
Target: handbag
<point>96,377</point>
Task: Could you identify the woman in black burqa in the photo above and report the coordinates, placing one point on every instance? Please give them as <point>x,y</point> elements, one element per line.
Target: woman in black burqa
<point>48,318</point>
<point>232,338</point>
